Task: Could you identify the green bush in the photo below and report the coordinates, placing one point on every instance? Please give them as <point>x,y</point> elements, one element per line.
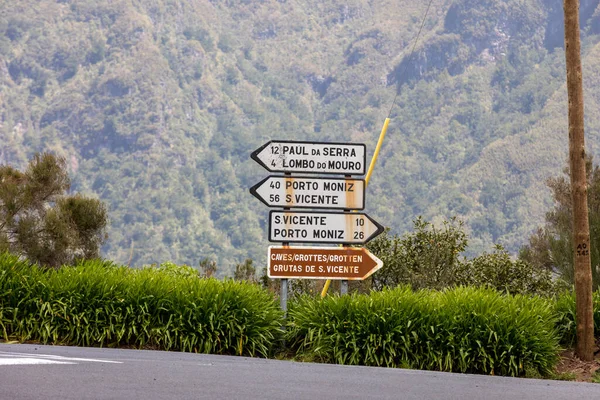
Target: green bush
<point>464,329</point>
<point>429,258</point>
<point>183,271</point>
<point>461,330</point>
<point>98,303</point>
<point>497,270</point>
<point>567,323</point>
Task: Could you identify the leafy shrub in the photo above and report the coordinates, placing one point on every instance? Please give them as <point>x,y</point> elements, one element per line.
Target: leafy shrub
<point>497,270</point>
<point>172,269</point>
<point>462,330</point>
<point>430,258</point>
<point>426,258</point>
<point>99,303</point>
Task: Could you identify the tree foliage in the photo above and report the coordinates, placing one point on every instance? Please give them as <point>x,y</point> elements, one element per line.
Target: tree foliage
<point>158,105</point>
<point>245,271</point>
<point>551,247</point>
<point>40,221</point>
<point>499,271</point>
<point>430,257</point>
<point>426,258</point>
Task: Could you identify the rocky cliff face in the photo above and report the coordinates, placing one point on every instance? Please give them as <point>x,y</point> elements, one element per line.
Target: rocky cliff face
<point>555,28</point>
<point>484,31</point>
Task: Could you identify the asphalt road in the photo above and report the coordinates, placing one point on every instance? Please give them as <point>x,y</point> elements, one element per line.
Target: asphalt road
<point>57,372</point>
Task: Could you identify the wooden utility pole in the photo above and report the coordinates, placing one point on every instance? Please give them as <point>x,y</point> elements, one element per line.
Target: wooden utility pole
<point>581,228</point>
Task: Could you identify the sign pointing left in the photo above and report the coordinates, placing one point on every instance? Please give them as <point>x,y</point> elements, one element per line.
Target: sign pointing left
<point>312,157</point>
<point>309,192</point>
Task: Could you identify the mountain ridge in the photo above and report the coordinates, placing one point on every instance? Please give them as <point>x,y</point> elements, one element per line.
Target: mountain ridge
<point>157,105</point>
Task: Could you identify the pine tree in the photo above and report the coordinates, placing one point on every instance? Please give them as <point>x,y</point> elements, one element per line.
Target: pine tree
<point>551,247</point>
<point>39,221</point>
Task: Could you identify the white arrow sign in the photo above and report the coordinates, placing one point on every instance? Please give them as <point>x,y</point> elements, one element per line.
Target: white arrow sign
<point>312,157</point>
<point>322,227</point>
<point>307,192</point>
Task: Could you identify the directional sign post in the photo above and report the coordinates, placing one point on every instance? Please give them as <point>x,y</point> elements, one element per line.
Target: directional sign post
<point>312,157</point>
<point>308,192</point>
<point>353,263</point>
<point>322,227</point>
<point>313,226</point>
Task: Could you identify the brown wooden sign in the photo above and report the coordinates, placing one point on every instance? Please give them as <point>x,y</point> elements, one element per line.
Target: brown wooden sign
<point>295,262</point>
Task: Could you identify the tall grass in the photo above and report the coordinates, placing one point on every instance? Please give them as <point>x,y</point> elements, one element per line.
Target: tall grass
<point>98,303</point>
<point>567,321</point>
<point>461,330</point>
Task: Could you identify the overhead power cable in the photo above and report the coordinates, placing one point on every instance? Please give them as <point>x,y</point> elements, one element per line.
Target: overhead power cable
<point>382,135</point>
<point>408,60</point>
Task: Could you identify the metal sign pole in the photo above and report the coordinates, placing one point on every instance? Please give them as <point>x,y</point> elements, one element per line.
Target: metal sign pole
<point>283,290</point>
<point>283,295</point>
<point>344,282</point>
<point>344,287</point>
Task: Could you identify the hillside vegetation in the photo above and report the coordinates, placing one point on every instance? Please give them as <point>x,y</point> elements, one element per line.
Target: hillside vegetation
<point>157,104</point>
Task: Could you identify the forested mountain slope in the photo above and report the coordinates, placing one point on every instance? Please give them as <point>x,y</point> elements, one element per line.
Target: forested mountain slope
<point>157,105</point>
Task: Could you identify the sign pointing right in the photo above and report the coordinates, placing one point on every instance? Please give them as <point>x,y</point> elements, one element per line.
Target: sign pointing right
<point>353,263</point>
<point>322,227</point>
